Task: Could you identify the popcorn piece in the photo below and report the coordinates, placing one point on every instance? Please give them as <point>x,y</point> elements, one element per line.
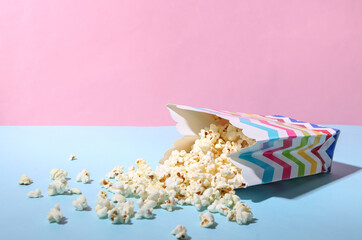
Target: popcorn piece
<point>140,203</point>
<point>105,183</point>
<point>75,191</point>
<point>144,212</point>
<point>149,203</point>
<point>118,198</point>
<point>25,180</point>
<point>102,212</point>
<point>207,219</point>
<point>240,213</point>
<point>116,216</point>
<point>127,207</point>
<point>102,194</point>
<point>55,215</point>
<point>34,194</point>
<point>83,176</point>
<point>57,173</point>
<point>80,203</point>
<point>122,213</point>
<point>180,232</point>
<point>58,186</point>
<point>169,205</point>
<point>72,157</point>
<point>115,172</point>
<point>231,199</point>
<point>219,206</point>
<point>103,206</point>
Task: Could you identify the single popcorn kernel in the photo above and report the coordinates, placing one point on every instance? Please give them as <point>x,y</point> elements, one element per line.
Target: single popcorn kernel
<point>55,215</point>
<point>83,176</point>
<point>25,180</point>
<point>72,157</point>
<point>180,232</point>
<point>57,173</point>
<point>207,219</point>
<point>102,194</point>
<point>80,203</point>
<point>35,194</point>
<point>75,191</point>
<point>115,172</point>
<point>58,186</point>
<point>118,198</point>
<point>144,212</point>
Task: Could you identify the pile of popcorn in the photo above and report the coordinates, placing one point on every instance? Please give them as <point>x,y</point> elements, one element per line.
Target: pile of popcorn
<point>203,177</point>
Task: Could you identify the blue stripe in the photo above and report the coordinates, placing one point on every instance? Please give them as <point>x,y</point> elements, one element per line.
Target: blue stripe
<point>268,169</point>
<point>207,110</point>
<point>273,135</point>
<point>330,150</point>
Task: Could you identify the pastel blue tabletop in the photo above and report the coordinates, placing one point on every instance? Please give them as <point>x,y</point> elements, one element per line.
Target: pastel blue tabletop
<point>324,206</point>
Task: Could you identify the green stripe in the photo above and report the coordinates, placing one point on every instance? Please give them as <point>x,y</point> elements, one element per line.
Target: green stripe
<point>303,142</point>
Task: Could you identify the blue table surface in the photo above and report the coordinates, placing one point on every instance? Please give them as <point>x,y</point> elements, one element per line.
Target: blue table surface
<point>323,206</point>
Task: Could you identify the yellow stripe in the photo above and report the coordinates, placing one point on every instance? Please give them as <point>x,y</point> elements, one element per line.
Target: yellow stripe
<point>301,152</point>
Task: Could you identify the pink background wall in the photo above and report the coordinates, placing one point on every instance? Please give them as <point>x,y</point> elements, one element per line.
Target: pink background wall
<point>120,62</point>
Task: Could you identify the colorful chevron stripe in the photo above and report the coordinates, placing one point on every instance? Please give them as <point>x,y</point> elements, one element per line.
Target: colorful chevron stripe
<point>285,148</point>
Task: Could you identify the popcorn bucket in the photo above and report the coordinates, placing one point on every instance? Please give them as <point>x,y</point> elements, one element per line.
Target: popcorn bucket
<point>284,148</point>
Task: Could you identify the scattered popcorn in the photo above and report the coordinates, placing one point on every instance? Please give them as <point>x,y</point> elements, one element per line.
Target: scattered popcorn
<point>58,173</point>
<point>75,191</point>
<point>169,205</point>
<point>240,213</point>
<point>204,177</point>
<point>180,232</point>
<point>83,176</point>
<point>80,203</point>
<point>72,157</point>
<point>58,186</point>
<point>144,212</point>
<point>55,215</point>
<point>207,219</point>
<point>35,194</point>
<point>25,180</point>
<point>115,172</point>
<point>118,198</point>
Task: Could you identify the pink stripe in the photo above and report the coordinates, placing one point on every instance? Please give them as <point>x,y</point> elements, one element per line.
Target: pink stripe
<point>286,144</point>
<point>286,167</point>
<point>318,130</point>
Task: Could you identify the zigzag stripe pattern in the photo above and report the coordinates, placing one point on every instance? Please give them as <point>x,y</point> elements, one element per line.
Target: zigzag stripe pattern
<point>286,148</point>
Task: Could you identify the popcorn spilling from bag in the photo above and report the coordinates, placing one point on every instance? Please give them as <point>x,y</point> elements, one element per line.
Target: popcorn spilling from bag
<point>203,177</point>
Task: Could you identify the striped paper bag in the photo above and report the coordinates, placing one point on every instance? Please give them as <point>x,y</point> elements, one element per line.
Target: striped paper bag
<point>285,148</point>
